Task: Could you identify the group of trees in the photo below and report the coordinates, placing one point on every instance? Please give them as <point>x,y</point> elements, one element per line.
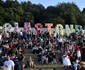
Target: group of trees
<point>63,13</point>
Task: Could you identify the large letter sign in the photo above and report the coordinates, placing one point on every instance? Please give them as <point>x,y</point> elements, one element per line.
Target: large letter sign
<point>68,29</point>
<point>49,25</point>
<point>59,29</point>
<point>27,27</point>
<point>78,28</point>
<point>7,27</point>
<point>38,26</point>
<point>15,27</point>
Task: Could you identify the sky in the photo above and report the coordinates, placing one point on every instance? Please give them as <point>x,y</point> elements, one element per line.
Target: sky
<point>45,3</point>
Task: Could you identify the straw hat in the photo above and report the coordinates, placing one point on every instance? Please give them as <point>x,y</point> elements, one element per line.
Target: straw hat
<point>82,63</point>
<point>3,68</point>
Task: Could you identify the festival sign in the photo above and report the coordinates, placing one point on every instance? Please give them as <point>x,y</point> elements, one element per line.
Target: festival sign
<point>49,25</point>
<point>38,27</point>
<point>59,29</point>
<point>7,27</point>
<point>78,28</point>
<point>16,27</point>
<point>27,27</point>
<point>69,29</point>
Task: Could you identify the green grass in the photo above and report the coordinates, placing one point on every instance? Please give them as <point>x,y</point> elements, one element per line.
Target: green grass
<point>28,53</point>
<point>47,67</point>
<point>42,69</point>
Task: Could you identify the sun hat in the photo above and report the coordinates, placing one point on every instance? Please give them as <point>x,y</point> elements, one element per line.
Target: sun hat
<point>82,63</point>
<point>3,68</point>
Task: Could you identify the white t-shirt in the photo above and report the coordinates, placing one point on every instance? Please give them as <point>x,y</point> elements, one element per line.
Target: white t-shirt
<point>21,33</point>
<point>66,61</point>
<point>55,34</point>
<point>78,53</point>
<point>35,48</point>
<point>60,40</point>
<point>9,64</point>
<point>75,65</point>
<point>0,36</point>
<point>70,47</point>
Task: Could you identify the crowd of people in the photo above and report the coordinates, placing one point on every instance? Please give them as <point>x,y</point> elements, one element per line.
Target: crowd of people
<point>50,49</point>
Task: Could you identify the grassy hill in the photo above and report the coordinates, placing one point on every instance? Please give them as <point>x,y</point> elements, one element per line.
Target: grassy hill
<point>28,53</point>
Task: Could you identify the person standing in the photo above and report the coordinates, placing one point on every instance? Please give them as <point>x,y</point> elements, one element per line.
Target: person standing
<point>19,63</point>
<point>9,63</point>
<point>0,38</point>
<point>60,42</point>
<point>66,61</point>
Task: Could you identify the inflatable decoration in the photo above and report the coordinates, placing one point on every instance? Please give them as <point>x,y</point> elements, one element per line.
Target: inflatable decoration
<point>7,27</point>
<point>68,29</point>
<point>59,29</point>
<point>49,27</point>
<point>27,27</point>
<point>16,27</point>
<point>38,26</point>
<point>78,28</point>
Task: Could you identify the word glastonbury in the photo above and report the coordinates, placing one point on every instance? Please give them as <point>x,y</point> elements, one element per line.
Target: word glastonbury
<point>59,28</point>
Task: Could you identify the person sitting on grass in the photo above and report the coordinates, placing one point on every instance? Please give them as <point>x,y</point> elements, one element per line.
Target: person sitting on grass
<point>31,62</point>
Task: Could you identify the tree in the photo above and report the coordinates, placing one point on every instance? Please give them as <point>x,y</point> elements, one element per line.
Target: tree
<point>63,13</point>
<point>1,2</point>
<point>2,15</point>
<point>27,17</point>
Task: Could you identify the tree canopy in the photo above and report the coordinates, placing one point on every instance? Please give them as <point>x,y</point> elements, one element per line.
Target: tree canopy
<point>63,13</point>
